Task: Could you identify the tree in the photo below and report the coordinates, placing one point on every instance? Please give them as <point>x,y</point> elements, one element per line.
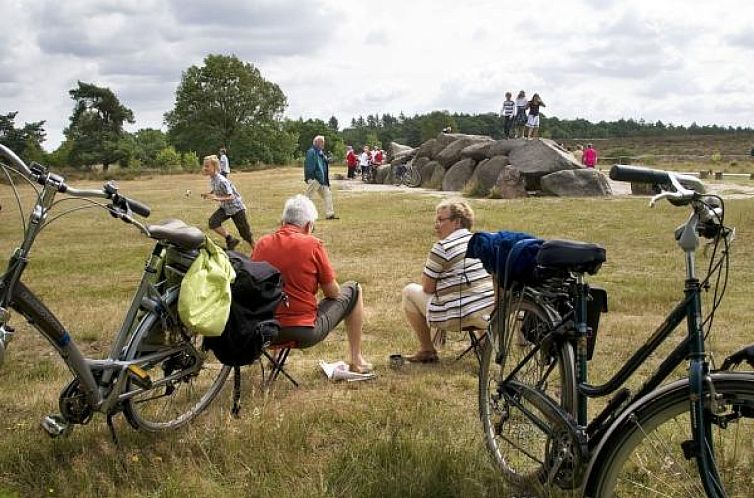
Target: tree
<point>305,132</point>
<point>333,124</point>
<point>220,104</point>
<point>96,127</point>
<point>26,141</point>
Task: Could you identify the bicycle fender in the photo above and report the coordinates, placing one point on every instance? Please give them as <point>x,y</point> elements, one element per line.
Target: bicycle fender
<point>644,403</point>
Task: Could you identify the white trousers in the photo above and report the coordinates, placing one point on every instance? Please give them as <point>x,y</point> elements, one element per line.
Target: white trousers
<point>312,187</point>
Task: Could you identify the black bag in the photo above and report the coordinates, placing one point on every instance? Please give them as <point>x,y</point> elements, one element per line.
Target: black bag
<point>251,326</point>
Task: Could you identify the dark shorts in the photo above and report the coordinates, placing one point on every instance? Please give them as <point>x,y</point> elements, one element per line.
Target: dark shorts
<point>330,312</point>
<point>239,219</point>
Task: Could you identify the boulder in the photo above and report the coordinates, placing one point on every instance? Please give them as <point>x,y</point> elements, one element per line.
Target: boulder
<point>438,174</point>
<point>427,149</point>
<point>458,175</point>
<point>576,183</point>
<point>452,153</point>
<point>383,174</point>
<point>486,174</point>
<point>477,151</point>
<point>427,171</point>
<point>510,184</point>
<point>538,158</point>
<point>395,149</point>
<point>505,146</point>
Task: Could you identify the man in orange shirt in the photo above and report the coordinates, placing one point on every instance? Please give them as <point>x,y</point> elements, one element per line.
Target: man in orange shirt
<point>302,260</point>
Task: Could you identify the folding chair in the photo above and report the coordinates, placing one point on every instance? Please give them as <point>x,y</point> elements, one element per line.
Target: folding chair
<point>277,355</point>
<point>476,341</point>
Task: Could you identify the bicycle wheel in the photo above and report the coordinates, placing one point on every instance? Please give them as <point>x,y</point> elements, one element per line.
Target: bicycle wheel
<point>645,458</point>
<point>412,178</point>
<point>520,448</point>
<point>185,378</point>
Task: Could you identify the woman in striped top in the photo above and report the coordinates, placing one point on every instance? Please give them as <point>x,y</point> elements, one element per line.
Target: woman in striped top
<point>456,292</point>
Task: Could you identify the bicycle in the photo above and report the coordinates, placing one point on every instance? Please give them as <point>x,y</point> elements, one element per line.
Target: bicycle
<point>406,174</point>
<point>691,437</point>
<point>156,373</point>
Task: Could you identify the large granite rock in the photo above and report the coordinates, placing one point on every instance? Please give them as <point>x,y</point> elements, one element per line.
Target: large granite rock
<point>576,183</point>
<point>427,171</point>
<point>477,151</point>
<point>395,149</point>
<point>505,146</point>
<point>458,175</point>
<point>538,158</point>
<point>510,184</point>
<point>429,149</point>
<point>383,174</point>
<point>486,174</point>
<point>437,176</point>
<point>451,154</point>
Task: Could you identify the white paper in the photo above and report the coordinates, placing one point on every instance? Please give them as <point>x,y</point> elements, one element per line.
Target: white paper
<point>339,371</point>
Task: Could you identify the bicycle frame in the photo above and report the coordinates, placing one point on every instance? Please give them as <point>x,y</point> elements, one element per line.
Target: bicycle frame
<point>102,381</point>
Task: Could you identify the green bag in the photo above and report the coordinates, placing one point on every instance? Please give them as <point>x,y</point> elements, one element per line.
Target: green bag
<point>204,300</point>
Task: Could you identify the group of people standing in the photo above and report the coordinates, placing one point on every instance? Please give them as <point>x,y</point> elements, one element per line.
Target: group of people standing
<point>455,291</point>
<point>364,163</point>
<point>514,114</point>
<point>587,157</point>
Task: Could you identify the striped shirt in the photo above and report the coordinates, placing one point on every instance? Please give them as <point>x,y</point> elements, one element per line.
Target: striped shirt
<point>463,288</point>
<point>509,109</point>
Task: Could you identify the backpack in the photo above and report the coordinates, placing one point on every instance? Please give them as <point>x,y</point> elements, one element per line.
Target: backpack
<point>251,327</point>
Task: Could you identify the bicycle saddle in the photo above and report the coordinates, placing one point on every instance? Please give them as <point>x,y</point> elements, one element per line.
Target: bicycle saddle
<point>569,255</point>
<point>177,232</point>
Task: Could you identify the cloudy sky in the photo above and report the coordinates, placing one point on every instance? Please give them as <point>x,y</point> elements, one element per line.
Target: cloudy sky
<point>677,61</point>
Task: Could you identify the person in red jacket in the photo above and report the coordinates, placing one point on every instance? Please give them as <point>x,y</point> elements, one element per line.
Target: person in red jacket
<point>590,157</point>
<point>351,162</point>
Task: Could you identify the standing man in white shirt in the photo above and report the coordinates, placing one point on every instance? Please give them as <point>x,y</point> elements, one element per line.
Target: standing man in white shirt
<point>224,163</point>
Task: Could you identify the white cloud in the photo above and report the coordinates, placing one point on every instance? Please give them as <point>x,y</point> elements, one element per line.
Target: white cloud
<point>674,60</point>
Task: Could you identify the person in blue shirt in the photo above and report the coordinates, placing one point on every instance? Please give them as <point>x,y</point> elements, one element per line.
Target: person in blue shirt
<point>317,175</point>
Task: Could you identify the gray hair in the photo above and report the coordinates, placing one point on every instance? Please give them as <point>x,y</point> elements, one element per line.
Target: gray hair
<point>317,138</point>
<point>299,210</point>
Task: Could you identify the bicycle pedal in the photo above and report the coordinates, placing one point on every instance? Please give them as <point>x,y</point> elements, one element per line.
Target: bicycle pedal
<point>139,376</point>
<point>56,426</point>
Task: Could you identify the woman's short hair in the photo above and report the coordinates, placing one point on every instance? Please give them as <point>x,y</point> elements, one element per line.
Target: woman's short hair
<point>299,210</point>
<point>213,161</point>
<point>458,210</point>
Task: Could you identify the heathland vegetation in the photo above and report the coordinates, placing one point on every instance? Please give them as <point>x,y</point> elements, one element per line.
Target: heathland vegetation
<point>411,432</point>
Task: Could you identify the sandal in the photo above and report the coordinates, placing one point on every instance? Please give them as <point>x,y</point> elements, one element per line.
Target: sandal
<point>364,368</point>
<point>423,357</point>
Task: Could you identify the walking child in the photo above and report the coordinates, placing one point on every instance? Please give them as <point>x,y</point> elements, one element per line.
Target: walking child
<point>231,204</point>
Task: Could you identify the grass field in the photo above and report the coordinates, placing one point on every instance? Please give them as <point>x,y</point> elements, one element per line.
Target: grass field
<point>411,432</point>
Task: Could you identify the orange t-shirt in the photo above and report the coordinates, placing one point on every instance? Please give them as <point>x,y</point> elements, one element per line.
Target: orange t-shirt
<point>303,262</point>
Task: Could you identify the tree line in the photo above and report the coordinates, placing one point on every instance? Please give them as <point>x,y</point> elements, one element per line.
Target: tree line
<point>225,102</point>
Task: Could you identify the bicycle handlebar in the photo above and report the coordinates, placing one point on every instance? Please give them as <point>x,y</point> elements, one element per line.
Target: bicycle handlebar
<point>41,175</point>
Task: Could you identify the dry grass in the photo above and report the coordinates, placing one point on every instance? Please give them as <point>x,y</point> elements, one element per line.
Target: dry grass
<point>412,432</point>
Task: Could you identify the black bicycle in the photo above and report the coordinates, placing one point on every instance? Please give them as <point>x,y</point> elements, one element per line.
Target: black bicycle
<point>690,438</point>
<point>406,174</point>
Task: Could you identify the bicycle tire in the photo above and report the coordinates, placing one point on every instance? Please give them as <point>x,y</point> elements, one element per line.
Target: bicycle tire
<point>412,178</point>
<point>517,446</point>
<point>180,400</point>
<point>645,456</point>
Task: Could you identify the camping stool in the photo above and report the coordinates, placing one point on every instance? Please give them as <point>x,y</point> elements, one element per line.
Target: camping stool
<point>277,363</point>
<point>477,342</point>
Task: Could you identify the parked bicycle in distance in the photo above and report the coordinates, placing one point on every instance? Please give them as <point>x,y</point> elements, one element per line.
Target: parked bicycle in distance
<point>156,372</point>
<point>693,437</point>
<point>406,174</point>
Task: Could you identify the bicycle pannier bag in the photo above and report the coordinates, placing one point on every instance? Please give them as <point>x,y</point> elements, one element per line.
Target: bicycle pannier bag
<point>257,292</point>
<point>204,299</point>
